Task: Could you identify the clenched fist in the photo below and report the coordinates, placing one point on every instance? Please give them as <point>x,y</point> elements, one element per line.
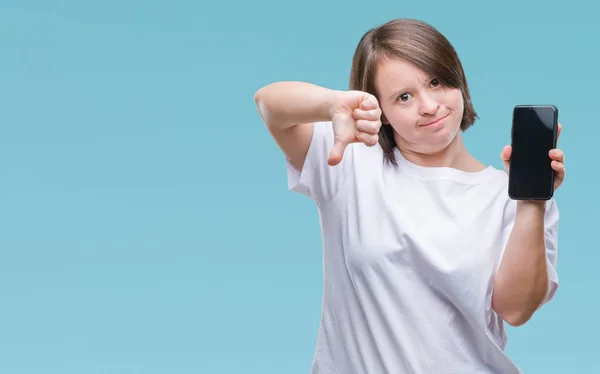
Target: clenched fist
<point>356,118</point>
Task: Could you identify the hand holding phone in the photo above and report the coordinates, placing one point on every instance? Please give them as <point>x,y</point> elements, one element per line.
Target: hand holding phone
<point>532,167</point>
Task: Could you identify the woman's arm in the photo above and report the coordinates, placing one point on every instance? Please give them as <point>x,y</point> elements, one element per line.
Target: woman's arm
<point>289,110</point>
<point>522,281</point>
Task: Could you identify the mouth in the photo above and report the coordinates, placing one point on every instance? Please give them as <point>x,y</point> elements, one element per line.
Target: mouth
<point>437,121</point>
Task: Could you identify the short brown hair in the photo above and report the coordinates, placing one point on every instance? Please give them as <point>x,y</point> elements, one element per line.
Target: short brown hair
<point>420,44</point>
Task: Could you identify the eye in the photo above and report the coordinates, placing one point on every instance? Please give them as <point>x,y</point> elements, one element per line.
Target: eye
<point>434,82</point>
<point>404,97</point>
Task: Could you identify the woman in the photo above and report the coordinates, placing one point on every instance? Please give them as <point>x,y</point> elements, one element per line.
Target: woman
<point>425,256</point>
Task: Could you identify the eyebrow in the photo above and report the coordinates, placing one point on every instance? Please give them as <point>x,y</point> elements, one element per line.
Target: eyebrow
<point>404,88</point>
<point>398,92</point>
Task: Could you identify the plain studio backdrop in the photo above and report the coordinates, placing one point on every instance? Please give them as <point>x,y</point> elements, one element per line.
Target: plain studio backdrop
<point>145,222</point>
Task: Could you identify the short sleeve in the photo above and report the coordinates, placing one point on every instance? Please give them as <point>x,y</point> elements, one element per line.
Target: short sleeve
<point>551,219</point>
<point>318,180</point>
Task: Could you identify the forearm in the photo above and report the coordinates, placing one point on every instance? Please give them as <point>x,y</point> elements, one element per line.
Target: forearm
<point>522,280</point>
<point>285,104</point>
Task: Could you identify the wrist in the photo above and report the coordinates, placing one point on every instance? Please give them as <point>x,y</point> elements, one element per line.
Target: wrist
<point>531,205</point>
<point>332,100</point>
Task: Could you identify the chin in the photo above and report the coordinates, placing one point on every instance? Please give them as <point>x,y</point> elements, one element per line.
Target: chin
<point>438,141</point>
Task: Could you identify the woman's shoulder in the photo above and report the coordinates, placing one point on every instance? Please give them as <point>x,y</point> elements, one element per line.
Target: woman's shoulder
<point>321,181</point>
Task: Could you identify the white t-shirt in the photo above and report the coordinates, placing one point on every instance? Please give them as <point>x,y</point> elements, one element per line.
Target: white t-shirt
<point>409,257</point>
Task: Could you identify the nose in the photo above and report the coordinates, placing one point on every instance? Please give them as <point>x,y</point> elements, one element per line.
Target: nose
<point>428,105</point>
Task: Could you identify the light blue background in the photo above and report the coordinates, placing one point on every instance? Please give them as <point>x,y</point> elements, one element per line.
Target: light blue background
<point>145,224</point>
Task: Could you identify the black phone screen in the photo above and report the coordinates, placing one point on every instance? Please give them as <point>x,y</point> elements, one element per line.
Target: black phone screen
<point>533,136</point>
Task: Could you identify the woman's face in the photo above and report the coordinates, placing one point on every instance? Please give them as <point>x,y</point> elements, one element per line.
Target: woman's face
<point>425,115</point>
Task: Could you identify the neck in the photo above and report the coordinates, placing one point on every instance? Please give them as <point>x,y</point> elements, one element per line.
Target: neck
<point>455,155</point>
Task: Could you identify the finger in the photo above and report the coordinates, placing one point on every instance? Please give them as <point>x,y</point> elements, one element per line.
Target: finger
<point>368,104</point>
<point>506,153</point>
<point>368,139</point>
<point>559,167</point>
<point>369,115</point>
<point>337,152</point>
<point>557,155</point>
<point>370,127</point>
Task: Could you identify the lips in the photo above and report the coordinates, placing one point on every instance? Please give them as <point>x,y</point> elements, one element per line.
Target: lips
<point>435,122</point>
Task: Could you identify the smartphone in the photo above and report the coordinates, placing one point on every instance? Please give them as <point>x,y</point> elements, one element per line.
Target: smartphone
<point>534,134</point>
